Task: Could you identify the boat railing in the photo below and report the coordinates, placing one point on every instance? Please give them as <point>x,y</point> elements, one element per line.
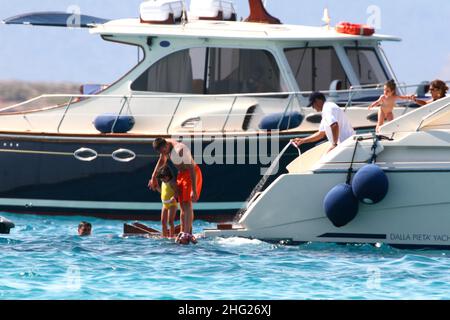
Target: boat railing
<point>288,102</point>
<point>379,86</point>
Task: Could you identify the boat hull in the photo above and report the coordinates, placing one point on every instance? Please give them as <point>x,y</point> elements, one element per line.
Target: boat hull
<point>41,175</point>
<point>414,214</point>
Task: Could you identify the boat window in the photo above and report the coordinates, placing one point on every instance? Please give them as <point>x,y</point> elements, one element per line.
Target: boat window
<point>367,65</point>
<point>317,68</point>
<point>242,71</point>
<point>213,71</point>
<point>179,72</point>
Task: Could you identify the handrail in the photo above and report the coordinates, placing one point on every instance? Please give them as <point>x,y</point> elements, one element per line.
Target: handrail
<point>64,115</point>
<point>299,95</point>
<point>120,113</point>
<point>173,114</point>
<point>229,113</point>
<point>362,88</point>
<point>285,111</point>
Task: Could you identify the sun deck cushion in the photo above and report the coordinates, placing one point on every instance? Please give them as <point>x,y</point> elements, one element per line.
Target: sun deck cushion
<point>122,124</point>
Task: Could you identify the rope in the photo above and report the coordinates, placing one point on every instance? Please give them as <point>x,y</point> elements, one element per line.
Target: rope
<point>373,159</point>
<point>376,139</point>
<point>350,170</point>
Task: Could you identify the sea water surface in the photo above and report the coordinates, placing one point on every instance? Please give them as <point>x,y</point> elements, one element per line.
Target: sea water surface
<point>43,258</point>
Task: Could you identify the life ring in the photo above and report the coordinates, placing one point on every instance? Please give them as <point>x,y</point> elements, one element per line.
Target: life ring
<point>355,29</point>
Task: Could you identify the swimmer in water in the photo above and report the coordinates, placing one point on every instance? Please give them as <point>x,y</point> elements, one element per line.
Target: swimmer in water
<point>84,229</point>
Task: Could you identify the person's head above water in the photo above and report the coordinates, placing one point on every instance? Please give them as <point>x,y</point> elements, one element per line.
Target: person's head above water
<point>161,145</point>
<point>390,88</point>
<point>438,89</point>
<point>84,228</point>
<point>165,174</point>
<point>317,100</point>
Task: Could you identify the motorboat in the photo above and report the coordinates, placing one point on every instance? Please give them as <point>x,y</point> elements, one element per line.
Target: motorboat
<point>233,88</point>
<point>326,197</point>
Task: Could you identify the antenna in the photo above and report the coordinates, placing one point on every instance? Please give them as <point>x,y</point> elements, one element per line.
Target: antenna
<point>326,18</point>
<point>184,16</point>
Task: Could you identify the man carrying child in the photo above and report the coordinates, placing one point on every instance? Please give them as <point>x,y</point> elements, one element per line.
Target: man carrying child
<point>188,182</point>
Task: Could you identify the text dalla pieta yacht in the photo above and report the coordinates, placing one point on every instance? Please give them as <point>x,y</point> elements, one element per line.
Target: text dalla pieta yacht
<point>205,78</point>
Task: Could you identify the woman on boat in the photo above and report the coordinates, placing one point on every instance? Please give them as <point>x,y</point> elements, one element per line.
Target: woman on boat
<point>438,90</point>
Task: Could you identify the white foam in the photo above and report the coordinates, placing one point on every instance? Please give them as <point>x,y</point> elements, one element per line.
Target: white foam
<point>236,241</point>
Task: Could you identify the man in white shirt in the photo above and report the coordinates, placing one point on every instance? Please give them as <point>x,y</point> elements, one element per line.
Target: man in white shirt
<point>334,125</point>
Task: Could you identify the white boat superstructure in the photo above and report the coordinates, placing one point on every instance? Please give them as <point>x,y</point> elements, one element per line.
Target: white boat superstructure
<point>223,76</point>
<point>414,153</point>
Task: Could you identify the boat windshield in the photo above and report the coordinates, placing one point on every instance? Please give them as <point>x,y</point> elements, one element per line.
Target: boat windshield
<point>367,65</point>
<point>213,71</point>
<point>320,69</point>
<point>317,68</point>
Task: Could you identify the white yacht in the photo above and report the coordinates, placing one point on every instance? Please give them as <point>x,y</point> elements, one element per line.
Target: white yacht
<point>411,184</point>
<point>203,76</point>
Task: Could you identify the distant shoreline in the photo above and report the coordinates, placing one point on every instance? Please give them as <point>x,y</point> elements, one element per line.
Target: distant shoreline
<point>16,91</point>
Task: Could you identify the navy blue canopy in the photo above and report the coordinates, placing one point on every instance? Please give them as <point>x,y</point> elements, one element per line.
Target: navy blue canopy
<point>56,19</point>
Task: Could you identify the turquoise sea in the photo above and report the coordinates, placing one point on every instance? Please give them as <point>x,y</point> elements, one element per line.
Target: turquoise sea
<point>43,258</point>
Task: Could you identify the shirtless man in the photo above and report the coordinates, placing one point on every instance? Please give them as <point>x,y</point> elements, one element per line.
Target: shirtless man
<point>189,181</point>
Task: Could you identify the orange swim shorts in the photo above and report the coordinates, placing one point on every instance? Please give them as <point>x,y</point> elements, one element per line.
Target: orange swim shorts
<point>184,184</point>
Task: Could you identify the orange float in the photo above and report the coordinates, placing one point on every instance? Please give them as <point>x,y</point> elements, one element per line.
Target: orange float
<point>355,29</point>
